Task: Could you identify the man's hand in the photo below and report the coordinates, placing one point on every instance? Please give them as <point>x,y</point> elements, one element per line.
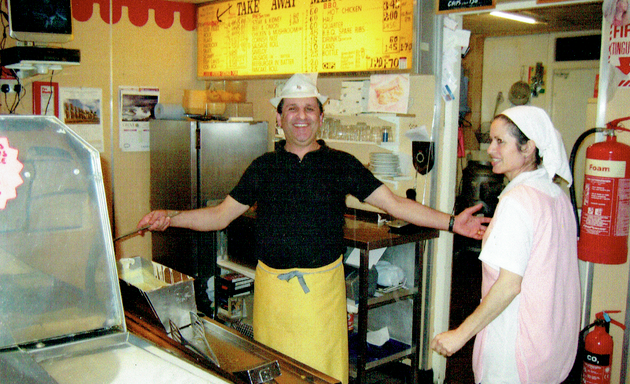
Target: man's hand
<point>154,221</point>
<point>469,225</point>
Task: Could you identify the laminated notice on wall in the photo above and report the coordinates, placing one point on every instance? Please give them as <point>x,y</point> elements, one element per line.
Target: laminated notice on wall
<point>389,93</point>
<point>137,108</point>
<point>265,37</point>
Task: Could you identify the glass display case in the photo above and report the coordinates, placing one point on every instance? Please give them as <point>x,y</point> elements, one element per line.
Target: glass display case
<point>61,313</point>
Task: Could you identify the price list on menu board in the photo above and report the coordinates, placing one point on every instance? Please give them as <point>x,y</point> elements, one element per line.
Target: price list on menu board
<point>270,37</point>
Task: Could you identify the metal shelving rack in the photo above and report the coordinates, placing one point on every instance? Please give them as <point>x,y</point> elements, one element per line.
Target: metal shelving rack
<point>368,236</point>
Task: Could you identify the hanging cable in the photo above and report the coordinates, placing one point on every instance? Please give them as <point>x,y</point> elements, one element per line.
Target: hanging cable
<point>6,101</point>
<point>20,91</point>
<point>5,26</point>
<point>4,19</point>
<point>50,94</point>
<point>574,152</point>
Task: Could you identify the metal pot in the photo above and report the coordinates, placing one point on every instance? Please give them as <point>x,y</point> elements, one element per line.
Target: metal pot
<point>479,185</point>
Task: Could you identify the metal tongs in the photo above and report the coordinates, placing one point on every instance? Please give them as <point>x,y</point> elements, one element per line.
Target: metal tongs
<point>199,337</point>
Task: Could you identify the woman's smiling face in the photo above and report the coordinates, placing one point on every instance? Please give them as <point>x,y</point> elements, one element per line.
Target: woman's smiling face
<point>507,156</point>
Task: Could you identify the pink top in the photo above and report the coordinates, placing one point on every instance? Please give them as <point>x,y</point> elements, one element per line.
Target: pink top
<point>533,234</point>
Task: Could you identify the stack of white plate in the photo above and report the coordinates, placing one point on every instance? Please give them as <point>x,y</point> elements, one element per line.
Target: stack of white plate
<point>384,164</point>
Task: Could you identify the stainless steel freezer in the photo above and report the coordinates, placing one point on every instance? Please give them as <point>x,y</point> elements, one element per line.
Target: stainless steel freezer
<point>195,164</point>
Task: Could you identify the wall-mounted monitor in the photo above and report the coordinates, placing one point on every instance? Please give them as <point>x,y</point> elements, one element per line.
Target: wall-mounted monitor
<point>40,21</point>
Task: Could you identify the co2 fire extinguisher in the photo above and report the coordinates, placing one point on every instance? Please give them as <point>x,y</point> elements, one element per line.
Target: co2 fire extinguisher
<point>598,350</point>
<point>605,217</point>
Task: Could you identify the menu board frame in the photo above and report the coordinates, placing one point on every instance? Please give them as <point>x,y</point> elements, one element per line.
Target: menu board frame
<point>452,6</point>
<point>269,38</point>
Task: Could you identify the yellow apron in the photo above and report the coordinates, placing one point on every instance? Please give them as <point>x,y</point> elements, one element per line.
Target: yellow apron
<point>302,313</point>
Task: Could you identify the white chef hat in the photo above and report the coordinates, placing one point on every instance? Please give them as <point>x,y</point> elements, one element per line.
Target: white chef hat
<point>537,126</point>
<point>297,87</point>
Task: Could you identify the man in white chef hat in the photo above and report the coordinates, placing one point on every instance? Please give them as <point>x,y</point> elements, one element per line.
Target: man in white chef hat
<point>300,89</point>
<point>299,191</point>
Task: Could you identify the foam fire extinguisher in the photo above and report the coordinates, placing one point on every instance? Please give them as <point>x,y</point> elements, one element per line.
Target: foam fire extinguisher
<point>598,350</point>
<point>605,217</point>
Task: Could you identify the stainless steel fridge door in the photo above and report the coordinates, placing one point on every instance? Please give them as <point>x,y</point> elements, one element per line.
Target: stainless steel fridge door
<point>172,164</point>
<point>217,152</point>
<point>225,150</point>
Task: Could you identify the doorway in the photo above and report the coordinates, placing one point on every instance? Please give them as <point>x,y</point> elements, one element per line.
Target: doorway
<point>572,96</point>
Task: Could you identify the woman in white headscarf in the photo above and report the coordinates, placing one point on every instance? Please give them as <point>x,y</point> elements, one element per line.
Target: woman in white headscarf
<point>528,322</point>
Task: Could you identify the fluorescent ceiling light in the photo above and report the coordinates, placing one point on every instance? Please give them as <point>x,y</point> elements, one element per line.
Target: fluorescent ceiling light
<point>511,16</point>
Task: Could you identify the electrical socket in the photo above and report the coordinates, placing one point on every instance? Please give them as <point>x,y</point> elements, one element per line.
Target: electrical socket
<point>11,83</point>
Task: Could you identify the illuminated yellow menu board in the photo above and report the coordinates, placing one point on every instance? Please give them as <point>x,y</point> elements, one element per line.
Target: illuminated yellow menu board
<point>269,37</point>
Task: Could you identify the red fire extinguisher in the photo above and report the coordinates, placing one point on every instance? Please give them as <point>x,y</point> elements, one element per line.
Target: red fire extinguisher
<point>598,350</point>
<point>606,202</point>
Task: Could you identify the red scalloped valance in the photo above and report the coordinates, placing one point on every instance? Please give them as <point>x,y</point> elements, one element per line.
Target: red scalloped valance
<point>138,11</point>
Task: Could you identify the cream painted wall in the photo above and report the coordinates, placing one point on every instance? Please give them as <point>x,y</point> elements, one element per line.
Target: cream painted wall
<point>505,61</point>
<point>125,55</point>
<point>153,57</point>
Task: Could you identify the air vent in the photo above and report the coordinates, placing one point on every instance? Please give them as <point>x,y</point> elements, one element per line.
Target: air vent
<point>578,48</point>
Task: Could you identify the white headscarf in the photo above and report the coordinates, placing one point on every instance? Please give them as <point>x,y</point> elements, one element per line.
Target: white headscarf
<point>537,126</point>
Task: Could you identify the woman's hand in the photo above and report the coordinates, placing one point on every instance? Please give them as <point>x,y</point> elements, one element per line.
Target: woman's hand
<point>501,294</point>
<point>447,343</point>
<point>469,225</point>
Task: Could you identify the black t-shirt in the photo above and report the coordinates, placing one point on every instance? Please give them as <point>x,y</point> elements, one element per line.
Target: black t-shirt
<point>300,204</point>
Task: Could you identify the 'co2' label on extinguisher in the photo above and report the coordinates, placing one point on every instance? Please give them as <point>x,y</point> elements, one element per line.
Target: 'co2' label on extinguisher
<point>595,359</point>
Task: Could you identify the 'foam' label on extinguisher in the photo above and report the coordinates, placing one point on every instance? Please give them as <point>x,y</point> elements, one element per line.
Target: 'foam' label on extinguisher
<point>606,207</point>
<point>605,168</point>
